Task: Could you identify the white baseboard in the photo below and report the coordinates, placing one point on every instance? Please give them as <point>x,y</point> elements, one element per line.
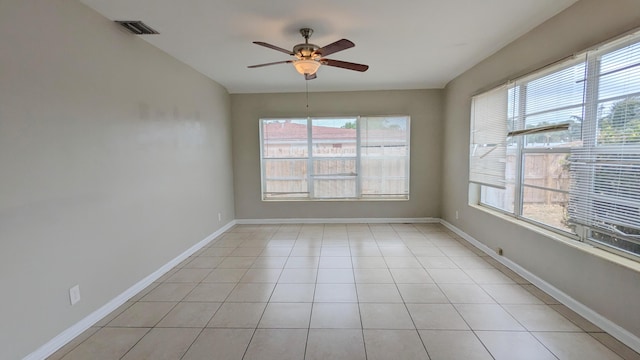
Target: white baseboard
<point>337,221</point>
<point>69,334</point>
<point>605,324</point>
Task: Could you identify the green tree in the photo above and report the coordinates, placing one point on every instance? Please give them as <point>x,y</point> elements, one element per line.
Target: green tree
<point>622,123</point>
<point>349,125</point>
<point>374,124</point>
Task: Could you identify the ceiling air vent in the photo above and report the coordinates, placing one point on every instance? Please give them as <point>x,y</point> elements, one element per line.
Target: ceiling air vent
<point>137,27</point>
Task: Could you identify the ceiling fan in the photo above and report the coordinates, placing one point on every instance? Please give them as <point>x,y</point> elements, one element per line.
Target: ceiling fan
<point>309,57</point>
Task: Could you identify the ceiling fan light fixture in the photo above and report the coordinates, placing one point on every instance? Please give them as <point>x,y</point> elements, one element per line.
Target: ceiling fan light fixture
<point>306,66</point>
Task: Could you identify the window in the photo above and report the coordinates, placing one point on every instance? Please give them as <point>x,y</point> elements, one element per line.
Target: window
<point>348,158</point>
<point>572,160</point>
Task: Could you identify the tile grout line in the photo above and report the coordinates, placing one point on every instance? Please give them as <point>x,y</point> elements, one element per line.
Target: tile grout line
<point>355,285</point>
<point>407,307</point>
<point>315,285</point>
<point>136,343</point>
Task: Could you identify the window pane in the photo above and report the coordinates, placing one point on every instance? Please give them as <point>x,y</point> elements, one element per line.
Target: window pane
<point>607,191</point>
<point>326,167</point>
<point>384,136</point>
<point>384,151</point>
<point>384,176</point>
<point>620,83</point>
<point>546,206</point>
<point>548,170</point>
<point>285,169</point>
<point>619,96</point>
<point>555,139</point>
<point>286,189</point>
<point>503,199</point>
<point>334,137</point>
<point>620,72</point>
<point>334,177</point>
<point>335,187</point>
<point>285,178</point>
<point>619,122</point>
<point>557,90</point>
<point>620,59</point>
<point>284,138</point>
<point>617,176</point>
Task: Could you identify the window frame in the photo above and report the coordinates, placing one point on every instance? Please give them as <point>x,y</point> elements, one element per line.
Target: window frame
<point>310,158</point>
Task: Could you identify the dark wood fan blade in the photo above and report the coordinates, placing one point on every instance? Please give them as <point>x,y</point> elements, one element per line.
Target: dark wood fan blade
<point>271,63</point>
<point>339,45</point>
<point>345,65</point>
<point>277,48</point>
<point>310,76</point>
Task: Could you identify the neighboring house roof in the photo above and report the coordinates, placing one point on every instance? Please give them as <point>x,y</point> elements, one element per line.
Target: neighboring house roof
<point>294,131</point>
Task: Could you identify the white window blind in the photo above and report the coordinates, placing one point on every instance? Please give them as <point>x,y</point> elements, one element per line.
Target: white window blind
<point>605,191</point>
<point>488,138</point>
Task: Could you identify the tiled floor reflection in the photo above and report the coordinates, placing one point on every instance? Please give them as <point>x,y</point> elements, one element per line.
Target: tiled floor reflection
<point>342,291</point>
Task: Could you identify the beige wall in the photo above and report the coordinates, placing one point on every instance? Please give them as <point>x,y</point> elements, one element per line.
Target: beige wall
<point>424,107</point>
<point>114,159</point>
<point>609,289</point>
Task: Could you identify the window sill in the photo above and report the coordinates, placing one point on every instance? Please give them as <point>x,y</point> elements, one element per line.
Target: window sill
<point>581,246</point>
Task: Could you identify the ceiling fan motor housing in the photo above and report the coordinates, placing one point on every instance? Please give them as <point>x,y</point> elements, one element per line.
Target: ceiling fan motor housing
<point>306,51</point>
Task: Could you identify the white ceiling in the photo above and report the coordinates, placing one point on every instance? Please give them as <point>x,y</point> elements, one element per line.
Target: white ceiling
<point>408,44</point>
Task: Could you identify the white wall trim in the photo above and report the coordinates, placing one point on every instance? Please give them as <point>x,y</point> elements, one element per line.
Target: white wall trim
<point>605,324</point>
<point>337,221</point>
<point>70,333</point>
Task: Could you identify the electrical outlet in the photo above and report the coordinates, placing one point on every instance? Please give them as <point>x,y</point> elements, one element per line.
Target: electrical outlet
<point>74,294</point>
<point>219,217</point>
<point>457,217</point>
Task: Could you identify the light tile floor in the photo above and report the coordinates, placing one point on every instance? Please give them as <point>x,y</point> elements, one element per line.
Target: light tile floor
<point>348,291</point>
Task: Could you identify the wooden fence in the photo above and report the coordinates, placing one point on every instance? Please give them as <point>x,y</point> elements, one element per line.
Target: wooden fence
<point>383,171</point>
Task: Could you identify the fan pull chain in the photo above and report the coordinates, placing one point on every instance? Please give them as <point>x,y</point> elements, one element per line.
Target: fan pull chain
<point>306,84</point>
